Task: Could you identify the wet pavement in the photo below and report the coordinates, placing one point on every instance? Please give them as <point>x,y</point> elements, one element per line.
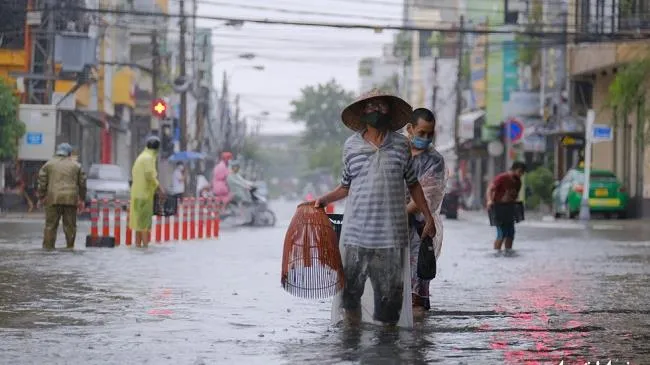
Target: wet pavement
<point>567,294</point>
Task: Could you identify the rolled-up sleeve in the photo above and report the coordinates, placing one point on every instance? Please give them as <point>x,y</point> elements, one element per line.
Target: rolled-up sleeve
<point>410,176</point>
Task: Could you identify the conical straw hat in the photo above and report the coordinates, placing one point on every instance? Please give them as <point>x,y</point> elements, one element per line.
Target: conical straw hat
<point>400,111</point>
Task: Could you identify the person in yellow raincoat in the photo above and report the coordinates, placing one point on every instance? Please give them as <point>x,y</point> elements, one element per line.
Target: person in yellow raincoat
<point>143,188</point>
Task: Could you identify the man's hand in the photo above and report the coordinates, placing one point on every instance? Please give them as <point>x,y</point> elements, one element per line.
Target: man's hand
<point>489,204</point>
<point>81,206</point>
<point>429,229</point>
<point>161,193</point>
<point>320,202</point>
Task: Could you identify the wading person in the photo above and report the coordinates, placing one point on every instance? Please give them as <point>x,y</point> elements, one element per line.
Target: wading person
<point>429,166</point>
<point>62,190</point>
<point>144,186</point>
<point>502,193</point>
<point>374,239</point>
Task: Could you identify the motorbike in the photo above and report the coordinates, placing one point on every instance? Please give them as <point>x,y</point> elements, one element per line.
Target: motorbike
<point>254,214</point>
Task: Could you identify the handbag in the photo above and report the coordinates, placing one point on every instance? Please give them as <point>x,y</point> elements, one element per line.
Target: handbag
<point>165,207</point>
<point>426,265</point>
<point>506,213</point>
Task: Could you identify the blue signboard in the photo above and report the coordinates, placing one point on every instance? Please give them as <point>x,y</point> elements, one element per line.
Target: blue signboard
<point>516,129</point>
<point>602,133</point>
<point>34,138</point>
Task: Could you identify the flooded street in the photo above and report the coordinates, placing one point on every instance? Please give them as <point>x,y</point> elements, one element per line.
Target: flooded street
<point>567,294</point>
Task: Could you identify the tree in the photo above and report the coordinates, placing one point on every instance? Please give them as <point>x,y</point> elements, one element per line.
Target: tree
<point>319,109</point>
<point>11,128</point>
<point>627,94</point>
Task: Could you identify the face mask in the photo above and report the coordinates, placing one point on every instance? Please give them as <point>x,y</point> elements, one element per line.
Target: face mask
<point>376,119</point>
<point>420,143</point>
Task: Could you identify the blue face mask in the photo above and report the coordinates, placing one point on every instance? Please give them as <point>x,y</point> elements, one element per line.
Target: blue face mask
<point>421,143</point>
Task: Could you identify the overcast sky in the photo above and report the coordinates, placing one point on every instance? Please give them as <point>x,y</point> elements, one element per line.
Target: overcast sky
<point>293,56</point>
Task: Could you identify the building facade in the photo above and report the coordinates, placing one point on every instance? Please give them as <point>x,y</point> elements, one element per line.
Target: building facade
<point>593,63</point>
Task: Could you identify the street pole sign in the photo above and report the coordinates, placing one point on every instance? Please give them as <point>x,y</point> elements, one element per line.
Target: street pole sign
<point>602,133</point>
<point>589,139</point>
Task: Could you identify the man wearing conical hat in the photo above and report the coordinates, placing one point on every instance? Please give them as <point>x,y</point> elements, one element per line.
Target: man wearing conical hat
<point>377,171</point>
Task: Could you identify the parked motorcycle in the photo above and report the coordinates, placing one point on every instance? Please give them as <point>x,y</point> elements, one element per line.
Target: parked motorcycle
<point>255,214</point>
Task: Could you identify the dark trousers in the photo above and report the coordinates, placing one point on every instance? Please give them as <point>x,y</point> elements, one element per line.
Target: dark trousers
<point>54,214</point>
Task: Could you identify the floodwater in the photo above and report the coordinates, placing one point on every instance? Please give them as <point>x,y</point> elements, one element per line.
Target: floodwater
<point>568,294</point>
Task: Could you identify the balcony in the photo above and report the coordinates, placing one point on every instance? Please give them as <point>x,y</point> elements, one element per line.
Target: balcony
<point>598,20</point>
<point>601,25</point>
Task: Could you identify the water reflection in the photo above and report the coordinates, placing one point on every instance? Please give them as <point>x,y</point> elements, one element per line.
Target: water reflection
<point>219,302</point>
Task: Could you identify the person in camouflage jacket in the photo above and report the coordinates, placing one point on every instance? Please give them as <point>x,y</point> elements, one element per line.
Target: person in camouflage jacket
<point>62,189</point>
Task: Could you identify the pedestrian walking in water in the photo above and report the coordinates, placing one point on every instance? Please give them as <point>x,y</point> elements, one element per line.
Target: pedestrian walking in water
<point>502,193</point>
<point>374,239</point>
<point>429,166</point>
<point>143,189</point>
<point>62,191</point>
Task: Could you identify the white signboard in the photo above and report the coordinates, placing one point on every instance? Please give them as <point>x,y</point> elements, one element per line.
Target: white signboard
<point>39,140</point>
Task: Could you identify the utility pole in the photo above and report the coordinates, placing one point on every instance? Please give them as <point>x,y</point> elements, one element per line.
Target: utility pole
<point>183,30</point>
<point>155,53</point>
<point>460,48</point>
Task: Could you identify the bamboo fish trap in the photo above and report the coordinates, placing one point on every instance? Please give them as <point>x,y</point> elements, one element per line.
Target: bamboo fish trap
<point>311,262</point>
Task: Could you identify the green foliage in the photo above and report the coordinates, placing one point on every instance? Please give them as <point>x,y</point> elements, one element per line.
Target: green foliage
<point>319,109</point>
<point>328,157</point>
<point>627,94</point>
<point>540,182</point>
<point>11,128</point>
<point>402,46</point>
<point>530,47</point>
<point>250,149</point>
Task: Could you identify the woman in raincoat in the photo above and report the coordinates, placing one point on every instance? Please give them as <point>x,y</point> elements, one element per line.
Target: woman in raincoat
<point>144,186</point>
<point>220,179</point>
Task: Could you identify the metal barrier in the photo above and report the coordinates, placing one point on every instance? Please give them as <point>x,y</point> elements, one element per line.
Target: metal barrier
<point>194,219</point>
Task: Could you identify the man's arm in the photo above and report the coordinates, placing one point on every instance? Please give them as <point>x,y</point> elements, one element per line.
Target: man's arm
<point>418,198</point>
<point>81,183</point>
<point>492,188</point>
<point>340,192</point>
<point>43,179</point>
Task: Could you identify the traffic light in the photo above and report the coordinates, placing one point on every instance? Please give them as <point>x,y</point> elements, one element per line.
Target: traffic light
<point>159,109</point>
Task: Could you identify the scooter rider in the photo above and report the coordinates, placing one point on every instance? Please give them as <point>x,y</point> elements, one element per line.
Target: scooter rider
<point>241,188</point>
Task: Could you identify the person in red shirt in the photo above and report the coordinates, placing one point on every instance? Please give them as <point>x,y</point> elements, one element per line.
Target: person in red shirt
<point>505,189</point>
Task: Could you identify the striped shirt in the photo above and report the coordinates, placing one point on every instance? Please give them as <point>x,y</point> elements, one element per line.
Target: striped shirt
<point>375,210</point>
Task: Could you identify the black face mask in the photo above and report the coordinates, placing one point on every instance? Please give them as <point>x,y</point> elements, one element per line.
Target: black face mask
<point>376,119</point>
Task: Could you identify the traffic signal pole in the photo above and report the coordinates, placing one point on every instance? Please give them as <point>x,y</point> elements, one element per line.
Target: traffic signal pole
<point>155,122</point>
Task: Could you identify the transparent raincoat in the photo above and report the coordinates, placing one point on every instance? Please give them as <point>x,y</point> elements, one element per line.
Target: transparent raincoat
<point>434,182</point>
<point>377,189</point>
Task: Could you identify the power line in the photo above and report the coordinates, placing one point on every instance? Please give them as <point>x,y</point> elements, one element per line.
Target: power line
<point>376,27</point>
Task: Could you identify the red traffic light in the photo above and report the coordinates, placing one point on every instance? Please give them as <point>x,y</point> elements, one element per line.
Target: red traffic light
<point>159,108</point>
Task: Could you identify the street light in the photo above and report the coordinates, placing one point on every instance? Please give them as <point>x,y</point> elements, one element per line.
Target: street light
<point>589,133</point>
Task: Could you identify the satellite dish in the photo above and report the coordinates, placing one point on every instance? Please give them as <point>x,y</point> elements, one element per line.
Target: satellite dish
<point>181,84</point>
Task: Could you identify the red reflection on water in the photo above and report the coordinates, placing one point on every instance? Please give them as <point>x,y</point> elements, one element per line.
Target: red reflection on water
<point>540,304</point>
<point>162,299</point>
